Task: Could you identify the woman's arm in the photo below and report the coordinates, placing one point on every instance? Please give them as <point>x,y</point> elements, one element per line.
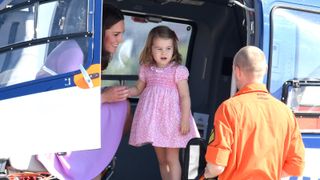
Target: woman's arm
<point>114,94</point>
<point>184,95</point>
<point>137,89</point>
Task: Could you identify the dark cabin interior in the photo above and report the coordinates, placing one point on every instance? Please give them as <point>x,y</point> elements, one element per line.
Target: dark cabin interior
<point>220,33</point>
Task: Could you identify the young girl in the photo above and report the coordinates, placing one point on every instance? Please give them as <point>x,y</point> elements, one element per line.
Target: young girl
<point>163,117</point>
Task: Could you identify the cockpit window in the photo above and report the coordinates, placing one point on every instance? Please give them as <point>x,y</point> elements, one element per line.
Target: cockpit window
<point>30,31</point>
<point>35,21</point>
<point>295,65</point>
<point>293,33</point>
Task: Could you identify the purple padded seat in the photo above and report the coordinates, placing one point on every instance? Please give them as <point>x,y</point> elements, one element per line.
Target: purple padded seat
<point>66,57</point>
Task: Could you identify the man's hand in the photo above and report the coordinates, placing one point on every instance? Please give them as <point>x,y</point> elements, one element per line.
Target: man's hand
<point>213,170</point>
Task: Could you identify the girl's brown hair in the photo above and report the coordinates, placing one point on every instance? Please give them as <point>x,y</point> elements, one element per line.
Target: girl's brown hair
<point>160,32</point>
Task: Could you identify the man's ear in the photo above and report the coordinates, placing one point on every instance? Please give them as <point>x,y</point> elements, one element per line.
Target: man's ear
<point>237,72</point>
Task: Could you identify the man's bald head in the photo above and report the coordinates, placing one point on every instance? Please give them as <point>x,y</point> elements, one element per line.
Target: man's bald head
<point>251,61</point>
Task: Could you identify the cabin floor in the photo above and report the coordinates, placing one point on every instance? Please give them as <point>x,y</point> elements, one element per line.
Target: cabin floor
<point>135,163</point>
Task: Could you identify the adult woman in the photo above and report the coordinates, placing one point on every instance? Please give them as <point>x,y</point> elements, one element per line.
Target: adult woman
<point>113,26</point>
<point>114,113</point>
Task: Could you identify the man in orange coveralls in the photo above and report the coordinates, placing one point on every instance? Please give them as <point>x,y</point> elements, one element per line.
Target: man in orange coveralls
<point>255,135</point>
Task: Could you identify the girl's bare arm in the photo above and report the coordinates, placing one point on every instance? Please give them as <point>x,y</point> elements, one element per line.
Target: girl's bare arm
<point>137,89</point>
<point>185,103</point>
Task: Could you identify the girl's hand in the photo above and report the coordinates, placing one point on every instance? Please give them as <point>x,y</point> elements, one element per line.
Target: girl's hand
<point>114,94</point>
<point>185,127</point>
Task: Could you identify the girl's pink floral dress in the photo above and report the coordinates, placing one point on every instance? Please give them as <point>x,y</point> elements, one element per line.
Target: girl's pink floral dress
<point>158,115</point>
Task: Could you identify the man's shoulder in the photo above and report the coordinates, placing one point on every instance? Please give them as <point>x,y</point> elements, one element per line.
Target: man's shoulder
<point>247,98</point>
<point>232,102</point>
<point>235,100</point>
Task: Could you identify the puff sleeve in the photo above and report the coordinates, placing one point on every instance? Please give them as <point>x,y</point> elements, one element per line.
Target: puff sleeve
<point>142,73</point>
<point>182,73</point>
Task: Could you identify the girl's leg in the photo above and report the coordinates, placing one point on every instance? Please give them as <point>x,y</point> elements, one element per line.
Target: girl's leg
<point>172,155</point>
<point>163,165</point>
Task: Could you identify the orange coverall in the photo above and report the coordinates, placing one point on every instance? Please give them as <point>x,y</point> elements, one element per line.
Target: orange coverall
<point>256,136</point>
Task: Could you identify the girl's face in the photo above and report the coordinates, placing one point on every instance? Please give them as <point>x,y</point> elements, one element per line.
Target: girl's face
<point>113,37</point>
<point>162,51</point>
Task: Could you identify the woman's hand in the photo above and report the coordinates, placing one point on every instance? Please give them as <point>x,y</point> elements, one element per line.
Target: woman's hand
<point>185,127</point>
<point>114,94</point>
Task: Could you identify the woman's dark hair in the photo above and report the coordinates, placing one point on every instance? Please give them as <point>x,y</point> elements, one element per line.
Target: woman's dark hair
<point>111,16</point>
